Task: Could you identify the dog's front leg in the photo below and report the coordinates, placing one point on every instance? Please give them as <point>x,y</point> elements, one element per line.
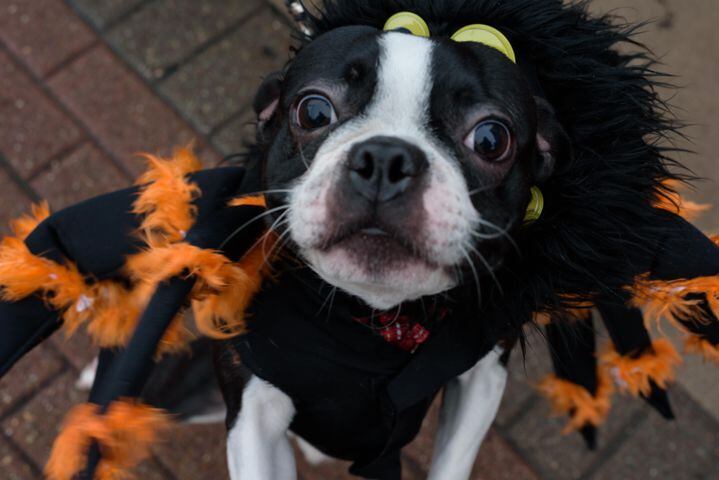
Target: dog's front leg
<point>258,447</point>
<point>469,406</point>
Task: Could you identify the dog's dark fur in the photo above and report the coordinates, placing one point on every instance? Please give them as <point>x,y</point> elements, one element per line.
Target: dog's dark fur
<point>604,99</point>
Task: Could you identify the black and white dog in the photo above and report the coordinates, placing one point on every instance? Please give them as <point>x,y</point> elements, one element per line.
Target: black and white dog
<point>404,172</point>
<point>386,240</point>
<point>402,164</point>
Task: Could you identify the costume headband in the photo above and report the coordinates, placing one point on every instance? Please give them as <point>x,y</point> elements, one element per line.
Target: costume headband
<point>414,24</point>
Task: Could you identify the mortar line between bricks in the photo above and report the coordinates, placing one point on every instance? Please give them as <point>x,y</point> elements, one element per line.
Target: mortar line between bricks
<point>615,443</point>
<point>525,456</point>
<point>711,418</point>
<point>231,118</point>
<point>67,112</point>
<point>282,14</point>
<point>118,55</point>
<point>229,30</point>
<point>166,472</point>
<point>24,457</point>
<point>66,363</point>
<point>17,405</point>
<point>18,180</point>
<point>47,163</point>
<point>503,437</point>
<point>522,410</point>
<point>120,18</point>
<point>69,59</point>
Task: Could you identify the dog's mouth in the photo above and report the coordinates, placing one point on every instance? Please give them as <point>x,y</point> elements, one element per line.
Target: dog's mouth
<point>379,265</point>
<point>378,247</point>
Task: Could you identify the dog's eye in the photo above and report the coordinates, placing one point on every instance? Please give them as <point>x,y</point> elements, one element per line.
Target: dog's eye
<point>314,112</point>
<point>491,140</point>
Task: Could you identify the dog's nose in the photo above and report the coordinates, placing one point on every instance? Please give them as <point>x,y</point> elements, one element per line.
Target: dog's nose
<point>383,168</point>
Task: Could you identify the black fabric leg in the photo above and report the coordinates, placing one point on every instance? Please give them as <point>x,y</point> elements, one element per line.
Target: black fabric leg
<point>572,344</point>
<point>630,338</point>
<point>23,326</point>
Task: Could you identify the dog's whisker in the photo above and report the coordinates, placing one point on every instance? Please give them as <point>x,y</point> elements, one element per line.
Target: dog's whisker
<point>326,300</point>
<point>276,223</point>
<point>333,294</point>
<point>502,232</point>
<point>488,267</point>
<point>263,241</point>
<point>250,222</point>
<point>486,236</point>
<point>302,157</point>
<point>458,272</point>
<point>276,247</point>
<point>491,225</point>
<point>476,276</point>
<point>280,220</point>
<point>479,190</point>
<point>264,192</point>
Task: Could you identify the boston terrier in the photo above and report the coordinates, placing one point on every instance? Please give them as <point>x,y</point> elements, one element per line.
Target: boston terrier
<point>398,167</point>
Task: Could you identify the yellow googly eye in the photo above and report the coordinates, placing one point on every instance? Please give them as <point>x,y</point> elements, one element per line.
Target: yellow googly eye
<point>535,207</point>
<point>409,22</point>
<point>486,35</point>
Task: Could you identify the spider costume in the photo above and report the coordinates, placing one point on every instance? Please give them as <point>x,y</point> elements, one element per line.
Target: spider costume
<point>610,239</point>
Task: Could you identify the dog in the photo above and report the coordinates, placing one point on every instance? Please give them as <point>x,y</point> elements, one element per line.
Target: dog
<point>386,241</point>
<point>403,164</point>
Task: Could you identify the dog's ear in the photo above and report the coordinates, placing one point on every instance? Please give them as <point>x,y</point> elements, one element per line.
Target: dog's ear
<point>553,143</point>
<point>267,98</point>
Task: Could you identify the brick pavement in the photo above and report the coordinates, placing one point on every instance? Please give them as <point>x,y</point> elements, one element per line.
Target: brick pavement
<point>84,84</point>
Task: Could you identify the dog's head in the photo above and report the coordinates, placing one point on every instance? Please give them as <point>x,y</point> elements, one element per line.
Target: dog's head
<point>404,163</point>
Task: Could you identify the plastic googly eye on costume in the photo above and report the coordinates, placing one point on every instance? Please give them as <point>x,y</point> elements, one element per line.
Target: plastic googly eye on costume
<point>407,22</point>
<point>486,35</point>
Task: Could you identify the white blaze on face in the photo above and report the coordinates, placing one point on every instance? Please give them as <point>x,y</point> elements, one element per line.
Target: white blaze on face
<point>399,108</point>
<point>405,84</point>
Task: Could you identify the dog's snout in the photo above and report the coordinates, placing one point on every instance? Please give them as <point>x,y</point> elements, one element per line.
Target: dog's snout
<point>383,168</point>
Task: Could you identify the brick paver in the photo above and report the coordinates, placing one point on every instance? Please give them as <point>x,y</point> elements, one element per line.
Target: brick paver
<point>13,201</point>
<point>687,449</point>
<point>77,349</point>
<point>193,452</point>
<point>32,127</point>
<point>43,32</point>
<point>11,465</point>
<point>159,37</point>
<point>34,370</point>
<point>118,109</point>
<point>499,461</point>
<point>33,426</point>
<point>235,134</point>
<point>86,84</point>
<point>537,435</point>
<point>523,373</point>
<point>102,13</point>
<point>81,174</point>
<point>222,81</point>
